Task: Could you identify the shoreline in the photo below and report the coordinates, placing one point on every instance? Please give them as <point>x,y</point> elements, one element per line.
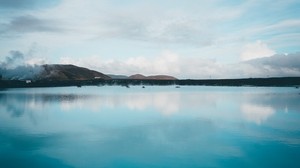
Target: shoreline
<point>254,82</point>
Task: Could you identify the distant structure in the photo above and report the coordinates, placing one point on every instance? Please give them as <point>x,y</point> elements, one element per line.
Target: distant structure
<point>28,81</point>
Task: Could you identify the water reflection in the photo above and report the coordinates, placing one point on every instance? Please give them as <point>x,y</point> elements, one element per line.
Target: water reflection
<point>16,104</point>
<point>16,149</point>
<point>153,127</point>
<point>255,108</point>
<point>256,113</point>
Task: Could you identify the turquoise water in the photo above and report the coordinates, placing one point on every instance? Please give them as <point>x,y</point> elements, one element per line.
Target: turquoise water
<point>156,126</point>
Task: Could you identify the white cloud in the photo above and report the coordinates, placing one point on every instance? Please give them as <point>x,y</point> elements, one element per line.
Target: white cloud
<point>36,61</point>
<point>185,67</point>
<point>255,50</point>
<point>147,21</point>
<point>206,34</point>
<point>166,63</point>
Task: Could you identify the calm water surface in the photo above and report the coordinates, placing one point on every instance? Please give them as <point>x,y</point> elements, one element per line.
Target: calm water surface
<point>114,126</point>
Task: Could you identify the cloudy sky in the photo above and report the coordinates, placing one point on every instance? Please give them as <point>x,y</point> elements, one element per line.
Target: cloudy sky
<point>187,39</point>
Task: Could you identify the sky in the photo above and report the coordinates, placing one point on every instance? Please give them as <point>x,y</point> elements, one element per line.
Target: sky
<point>187,39</point>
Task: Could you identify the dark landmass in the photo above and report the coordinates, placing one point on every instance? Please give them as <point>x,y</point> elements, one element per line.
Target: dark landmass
<point>268,82</point>
<point>137,76</point>
<point>57,75</point>
<point>51,72</point>
<point>58,72</point>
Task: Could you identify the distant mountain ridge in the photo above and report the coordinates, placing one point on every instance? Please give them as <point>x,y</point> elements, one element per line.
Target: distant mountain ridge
<point>72,72</point>
<point>113,76</point>
<point>65,72</point>
<point>152,77</point>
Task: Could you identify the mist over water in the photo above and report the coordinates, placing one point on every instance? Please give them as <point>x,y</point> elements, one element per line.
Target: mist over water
<point>150,127</point>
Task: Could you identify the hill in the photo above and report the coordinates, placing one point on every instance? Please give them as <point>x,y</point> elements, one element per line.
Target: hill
<point>153,77</point>
<point>69,72</point>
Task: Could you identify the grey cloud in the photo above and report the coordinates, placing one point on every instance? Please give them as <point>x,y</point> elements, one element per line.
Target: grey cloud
<point>14,67</point>
<point>172,33</point>
<point>164,28</point>
<point>277,65</point>
<point>291,61</point>
<point>29,24</point>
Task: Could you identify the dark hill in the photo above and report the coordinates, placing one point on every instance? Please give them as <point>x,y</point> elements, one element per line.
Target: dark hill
<point>137,76</point>
<point>154,77</point>
<point>161,77</point>
<point>69,72</point>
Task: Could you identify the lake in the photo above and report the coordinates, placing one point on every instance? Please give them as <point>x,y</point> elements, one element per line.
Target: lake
<point>155,126</point>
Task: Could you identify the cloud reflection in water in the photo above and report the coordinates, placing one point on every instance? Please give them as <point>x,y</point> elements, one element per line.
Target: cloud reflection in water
<point>256,113</point>
<point>205,104</point>
<point>166,127</point>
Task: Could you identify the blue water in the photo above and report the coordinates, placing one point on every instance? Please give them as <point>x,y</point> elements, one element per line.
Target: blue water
<point>157,126</point>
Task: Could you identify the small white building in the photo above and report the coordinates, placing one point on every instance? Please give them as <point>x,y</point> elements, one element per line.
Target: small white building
<point>28,81</point>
